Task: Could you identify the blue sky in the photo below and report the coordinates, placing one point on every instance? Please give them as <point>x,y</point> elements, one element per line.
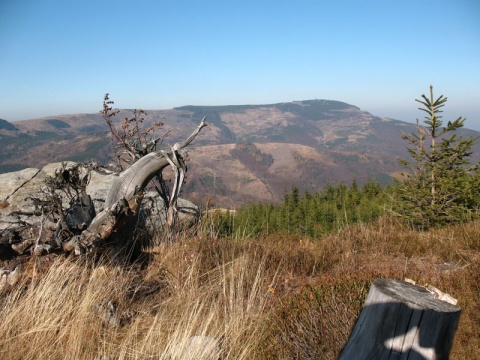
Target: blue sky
<point>60,57</point>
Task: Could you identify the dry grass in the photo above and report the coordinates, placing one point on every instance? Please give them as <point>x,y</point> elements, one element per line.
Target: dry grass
<point>317,306</point>
<point>280,297</point>
<point>84,310</point>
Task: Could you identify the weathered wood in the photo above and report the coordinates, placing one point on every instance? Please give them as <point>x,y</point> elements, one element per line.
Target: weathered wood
<point>125,196</point>
<point>137,175</point>
<point>141,172</point>
<point>78,229</point>
<point>105,224</point>
<point>402,321</point>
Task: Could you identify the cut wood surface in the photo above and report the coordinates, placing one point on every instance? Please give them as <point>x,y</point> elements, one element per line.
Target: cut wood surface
<point>402,321</point>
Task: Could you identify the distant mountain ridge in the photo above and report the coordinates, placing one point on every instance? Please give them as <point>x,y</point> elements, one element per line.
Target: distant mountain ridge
<point>247,153</point>
<point>5,125</point>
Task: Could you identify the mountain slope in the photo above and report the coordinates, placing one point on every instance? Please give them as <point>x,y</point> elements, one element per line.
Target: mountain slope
<point>247,153</point>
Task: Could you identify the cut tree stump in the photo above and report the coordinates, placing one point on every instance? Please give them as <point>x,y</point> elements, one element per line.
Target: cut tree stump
<point>402,321</point>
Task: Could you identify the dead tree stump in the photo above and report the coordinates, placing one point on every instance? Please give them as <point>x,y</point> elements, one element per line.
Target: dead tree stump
<point>402,321</point>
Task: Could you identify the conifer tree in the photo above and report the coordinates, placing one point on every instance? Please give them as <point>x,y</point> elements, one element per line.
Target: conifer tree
<point>438,188</point>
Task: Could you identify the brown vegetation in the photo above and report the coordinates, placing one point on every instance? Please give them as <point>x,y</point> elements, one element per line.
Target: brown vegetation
<point>312,143</point>
<point>276,297</point>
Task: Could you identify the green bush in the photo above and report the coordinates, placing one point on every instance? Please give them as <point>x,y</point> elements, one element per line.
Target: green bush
<point>308,214</point>
<point>441,186</point>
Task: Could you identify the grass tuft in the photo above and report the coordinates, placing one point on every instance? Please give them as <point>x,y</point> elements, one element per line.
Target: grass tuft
<point>275,297</point>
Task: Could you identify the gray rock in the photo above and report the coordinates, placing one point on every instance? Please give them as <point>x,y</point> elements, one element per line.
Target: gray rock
<point>18,186</point>
<point>12,181</point>
<point>98,189</point>
<point>22,185</point>
<point>153,215</point>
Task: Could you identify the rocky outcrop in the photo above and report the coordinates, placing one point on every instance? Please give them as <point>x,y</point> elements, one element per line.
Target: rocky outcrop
<point>17,188</point>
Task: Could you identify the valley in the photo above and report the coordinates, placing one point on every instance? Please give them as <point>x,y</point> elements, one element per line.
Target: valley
<point>247,153</point>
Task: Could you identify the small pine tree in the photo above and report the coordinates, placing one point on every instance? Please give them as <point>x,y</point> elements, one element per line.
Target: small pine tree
<point>438,188</point>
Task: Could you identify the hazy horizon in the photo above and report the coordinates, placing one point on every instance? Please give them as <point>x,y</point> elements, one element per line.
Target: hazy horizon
<point>61,57</point>
<point>446,116</point>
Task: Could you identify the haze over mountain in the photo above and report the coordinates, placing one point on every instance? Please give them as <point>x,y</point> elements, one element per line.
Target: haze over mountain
<point>247,153</point>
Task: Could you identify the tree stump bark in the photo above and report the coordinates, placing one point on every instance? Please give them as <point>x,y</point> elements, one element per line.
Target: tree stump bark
<point>402,321</point>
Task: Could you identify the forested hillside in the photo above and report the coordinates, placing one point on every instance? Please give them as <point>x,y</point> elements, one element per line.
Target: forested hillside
<point>311,215</point>
<point>248,152</point>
